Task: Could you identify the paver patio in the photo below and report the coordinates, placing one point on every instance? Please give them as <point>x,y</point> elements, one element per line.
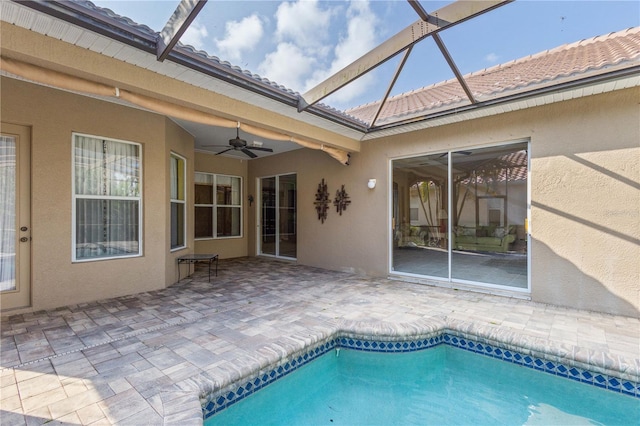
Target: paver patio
<point>146,358</point>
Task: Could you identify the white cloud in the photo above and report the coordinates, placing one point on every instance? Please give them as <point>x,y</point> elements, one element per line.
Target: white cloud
<point>240,36</point>
<point>311,49</point>
<point>361,35</point>
<point>195,35</point>
<point>360,38</point>
<point>491,58</point>
<point>303,23</point>
<point>288,65</point>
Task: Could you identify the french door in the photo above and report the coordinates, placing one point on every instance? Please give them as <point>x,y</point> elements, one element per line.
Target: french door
<point>15,216</point>
<point>278,216</point>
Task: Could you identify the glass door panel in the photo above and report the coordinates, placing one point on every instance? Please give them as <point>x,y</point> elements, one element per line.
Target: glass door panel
<point>490,199</point>
<point>8,213</point>
<point>278,216</point>
<point>268,216</point>
<point>420,217</point>
<point>287,220</point>
<point>15,215</point>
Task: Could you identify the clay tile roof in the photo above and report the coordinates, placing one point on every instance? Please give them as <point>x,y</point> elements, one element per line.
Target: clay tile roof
<point>568,62</point>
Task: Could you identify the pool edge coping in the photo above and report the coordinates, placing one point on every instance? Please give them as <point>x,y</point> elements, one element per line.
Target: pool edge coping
<point>278,354</point>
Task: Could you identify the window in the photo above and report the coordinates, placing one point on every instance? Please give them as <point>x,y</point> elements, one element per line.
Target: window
<point>107,198</point>
<point>178,201</point>
<point>218,206</point>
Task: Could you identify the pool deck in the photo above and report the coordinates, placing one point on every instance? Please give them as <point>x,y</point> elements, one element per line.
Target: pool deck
<point>146,358</point>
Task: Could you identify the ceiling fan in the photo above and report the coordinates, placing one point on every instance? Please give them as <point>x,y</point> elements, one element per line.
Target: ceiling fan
<point>238,144</point>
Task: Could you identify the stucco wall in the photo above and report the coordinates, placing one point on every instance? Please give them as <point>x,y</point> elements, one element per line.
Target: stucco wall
<point>585,211</point>
<point>225,247</point>
<point>586,203</point>
<point>53,115</point>
<point>338,243</point>
<point>585,176</point>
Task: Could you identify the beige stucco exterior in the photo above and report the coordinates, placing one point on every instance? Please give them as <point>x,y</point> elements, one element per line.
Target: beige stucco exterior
<point>585,201</point>
<point>53,117</point>
<point>584,180</point>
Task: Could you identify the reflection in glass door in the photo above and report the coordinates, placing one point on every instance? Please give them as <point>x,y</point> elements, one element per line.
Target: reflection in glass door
<point>490,199</point>
<point>278,216</point>
<point>461,216</point>
<point>420,212</point>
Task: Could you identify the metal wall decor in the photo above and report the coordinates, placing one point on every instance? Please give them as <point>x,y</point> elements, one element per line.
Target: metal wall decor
<point>322,201</point>
<point>341,201</point>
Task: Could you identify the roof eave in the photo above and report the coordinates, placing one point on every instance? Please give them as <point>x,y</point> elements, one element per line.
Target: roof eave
<point>145,39</point>
<point>524,95</point>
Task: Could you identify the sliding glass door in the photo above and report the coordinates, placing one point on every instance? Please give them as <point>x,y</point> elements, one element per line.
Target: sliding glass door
<point>490,198</point>
<point>420,223</point>
<point>278,216</point>
<point>461,216</point>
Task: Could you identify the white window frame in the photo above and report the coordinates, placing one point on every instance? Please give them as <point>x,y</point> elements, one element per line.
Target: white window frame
<point>74,198</point>
<point>178,201</point>
<point>215,205</point>
<point>448,281</point>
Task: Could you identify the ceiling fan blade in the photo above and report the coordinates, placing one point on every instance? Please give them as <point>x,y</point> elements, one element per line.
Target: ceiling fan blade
<point>222,152</point>
<point>259,148</point>
<point>249,153</point>
<point>214,146</point>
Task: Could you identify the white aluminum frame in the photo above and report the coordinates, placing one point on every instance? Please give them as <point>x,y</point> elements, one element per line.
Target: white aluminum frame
<point>449,282</point>
<point>140,199</point>
<point>177,201</point>
<point>259,217</point>
<point>215,206</point>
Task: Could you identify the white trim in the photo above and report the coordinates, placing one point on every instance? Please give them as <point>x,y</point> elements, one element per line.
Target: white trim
<point>449,214</point>
<point>214,207</point>
<point>449,281</point>
<point>390,215</point>
<point>455,285</point>
<point>259,251</point>
<point>178,201</point>
<point>560,95</point>
<point>527,232</point>
<point>74,197</point>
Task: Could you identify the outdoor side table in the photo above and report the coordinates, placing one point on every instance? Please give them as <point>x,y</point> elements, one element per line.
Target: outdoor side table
<point>195,258</point>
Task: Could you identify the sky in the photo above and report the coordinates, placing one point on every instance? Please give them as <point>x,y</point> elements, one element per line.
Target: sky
<point>298,44</point>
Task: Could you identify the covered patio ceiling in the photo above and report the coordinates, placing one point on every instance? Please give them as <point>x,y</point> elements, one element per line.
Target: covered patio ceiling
<point>359,123</point>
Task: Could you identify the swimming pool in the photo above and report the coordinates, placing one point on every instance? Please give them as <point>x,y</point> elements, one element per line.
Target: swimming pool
<point>441,385</point>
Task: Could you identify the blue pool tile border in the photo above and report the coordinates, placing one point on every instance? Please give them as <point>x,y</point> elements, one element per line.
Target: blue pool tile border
<point>220,402</point>
<point>217,402</point>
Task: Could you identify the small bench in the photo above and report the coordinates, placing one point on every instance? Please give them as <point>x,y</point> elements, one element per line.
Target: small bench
<point>194,258</point>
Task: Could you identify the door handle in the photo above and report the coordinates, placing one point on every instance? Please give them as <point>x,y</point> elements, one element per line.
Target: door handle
<point>24,229</point>
<point>24,239</point>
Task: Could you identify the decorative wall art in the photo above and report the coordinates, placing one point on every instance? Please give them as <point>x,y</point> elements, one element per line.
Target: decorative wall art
<point>341,201</point>
<point>322,201</point>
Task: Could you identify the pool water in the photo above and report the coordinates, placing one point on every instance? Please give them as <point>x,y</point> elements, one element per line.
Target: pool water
<point>439,386</point>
